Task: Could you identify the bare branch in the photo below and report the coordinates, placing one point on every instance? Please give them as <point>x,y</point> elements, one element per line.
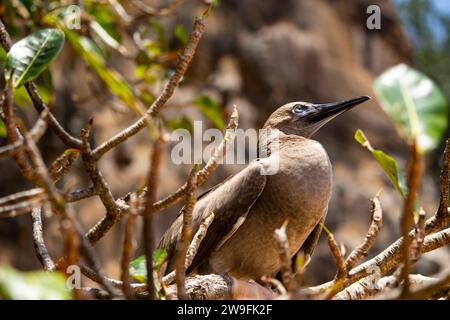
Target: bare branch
<point>415,173</point>
<point>335,250</point>
<point>36,133</point>
<point>62,164</point>
<point>52,122</point>
<point>285,259</point>
<point>180,70</point>
<point>209,168</point>
<point>205,287</point>
<point>389,258</point>
<point>13,134</point>
<point>186,234</point>
<point>128,248</point>
<point>148,232</point>
<point>38,240</point>
<point>430,289</point>
<point>113,212</point>
<point>158,12</point>
<point>443,183</point>
<point>81,194</point>
<point>374,229</point>
<point>22,196</point>
<point>419,236</point>
<point>193,247</point>
<point>16,209</point>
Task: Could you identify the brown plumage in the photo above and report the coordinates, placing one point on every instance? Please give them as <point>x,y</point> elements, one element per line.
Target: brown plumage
<point>249,206</point>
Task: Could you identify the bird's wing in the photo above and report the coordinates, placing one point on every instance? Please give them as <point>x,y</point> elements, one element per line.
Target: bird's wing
<point>310,243</point>
<point>230,201</point>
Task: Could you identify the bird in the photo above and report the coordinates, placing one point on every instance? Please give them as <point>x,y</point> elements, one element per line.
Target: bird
<point>249,206</point>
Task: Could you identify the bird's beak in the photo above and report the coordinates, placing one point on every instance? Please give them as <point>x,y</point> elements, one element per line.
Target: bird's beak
<point>325,112</point>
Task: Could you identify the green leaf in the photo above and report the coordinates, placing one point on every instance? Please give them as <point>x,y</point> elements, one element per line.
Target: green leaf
<point>388,164</point>
<point>211,109</point>
<point>415,103</point>
<point>181,34</point>
<point>138,269</point>
<point>2,56</point>
<point>103,15</point>
<point>31,55</point>
<point>33,285</point>
<point>90,53</point>
<point>2,129</point>
<point>214,3</point>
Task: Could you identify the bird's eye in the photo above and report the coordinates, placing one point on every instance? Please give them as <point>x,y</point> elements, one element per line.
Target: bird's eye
<point>300,109</point>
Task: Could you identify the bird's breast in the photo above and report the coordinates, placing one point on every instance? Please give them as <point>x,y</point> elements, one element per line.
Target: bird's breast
<point>299,193</point>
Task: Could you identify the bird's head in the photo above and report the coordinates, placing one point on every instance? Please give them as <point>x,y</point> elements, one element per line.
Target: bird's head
<point>304,118</point>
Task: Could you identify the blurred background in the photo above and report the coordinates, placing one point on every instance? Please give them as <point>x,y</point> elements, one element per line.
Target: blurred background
<point>259,55</point>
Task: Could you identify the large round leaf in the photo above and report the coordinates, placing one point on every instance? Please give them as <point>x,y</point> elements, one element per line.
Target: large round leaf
<point>31,55</point>
<point>415,103</point>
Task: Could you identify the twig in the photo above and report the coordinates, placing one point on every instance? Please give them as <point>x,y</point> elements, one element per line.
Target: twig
<point>375,227</point>
<point>80,194</point>
<point>419,236</point>
<point>221,150</point>
<point>22,196</point>
<point>128,248</point>
<point>209,168</point>
<point>180,70</point>
<point>285,259</point>
<point>113,212</point>
<point>334,248</point>
<point>430,289</point>
<point>91,274</point>
<point>42,179</point>
<point>302,261</point>
<point>62,164</point>
<point>52,122</point>
<point>159,12</point>
<point>38,241</point>
<point>10,149</point>
<point>443,183</point>
<point>148,232</point>
<point>16,209</point>
<point>414,176</point>
<point>12,132</point>
<point>389,258</point>
<point>36,133</point>
<point>383,288</point>
<point>186,235</point>
<point>193,247</point>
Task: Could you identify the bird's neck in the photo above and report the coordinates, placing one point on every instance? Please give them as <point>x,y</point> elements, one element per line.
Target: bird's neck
<point>268,142</point>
